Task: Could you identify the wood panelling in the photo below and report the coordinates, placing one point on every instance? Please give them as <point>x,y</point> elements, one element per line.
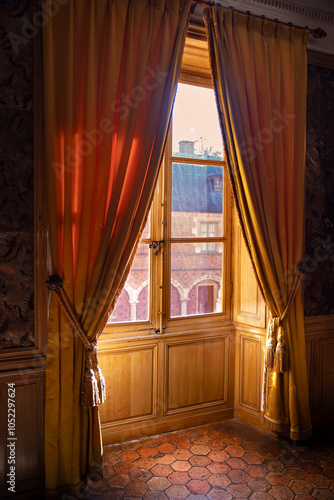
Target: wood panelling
<point>29,426</point>
<point>250,376</point>
<point>131,380</point>
<point>196,373</point>
<point>166,383</point>
<point>319,333</point>
<point>249,306</point>
<point>327,374</point>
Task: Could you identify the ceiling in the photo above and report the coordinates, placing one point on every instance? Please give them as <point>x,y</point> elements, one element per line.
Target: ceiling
<point>309,13</point>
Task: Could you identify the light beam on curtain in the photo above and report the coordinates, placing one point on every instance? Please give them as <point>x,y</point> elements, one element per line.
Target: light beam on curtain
<point>259,73</point>
<point>110,75</point>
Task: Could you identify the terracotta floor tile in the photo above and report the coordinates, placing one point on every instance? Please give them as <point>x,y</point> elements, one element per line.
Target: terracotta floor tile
<point>200,449</point>
<point>145,463</point>
<point>155,495</point>
<point>235,451</point>
<point>238,476</point>
<point>295,473</point>
<point>165,459</point>
<point>184,443</point>
<point>147,451</point>
<point>259,484</point>
<point>119,480</point>
<point>329,473</point>
<point>161,470</point>
<point>137,489</point>
<point>124,467</point>
<point>239,490</point>
<point>176,492</point>
<point>253,458</point>
<point>142,475</point>
<point>311,467</point>
<point>199,461</point>
<point>274,465</point>
<point>218,455</point>
<point>300,487</point>
<point>197,486</point>
<point>219,495</point>
<point>217,444</point>
<point>321,494</point>
<point>303,497</point>
<point>128,455</point>
<point>275,478</point>
<point>217,468</point>
<point>182,454</point>
<point>181,466</point>
<point>221,461</point>
<point>219,480</point>
<point>199,473</point>
<point>317,480</point>
<point>158,483</point>
<point>200,439</point>
<point>179,478</point>
<point>197,497</point>
<point>281,493</point>
<point>166,448</point>
<point>257,470</point>
<point>259,495</point>
<point>237,463</point>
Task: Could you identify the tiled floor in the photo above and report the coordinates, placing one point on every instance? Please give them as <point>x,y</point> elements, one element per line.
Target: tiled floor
<point>224,460</point>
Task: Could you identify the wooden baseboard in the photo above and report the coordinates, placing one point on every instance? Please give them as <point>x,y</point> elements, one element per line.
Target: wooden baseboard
<point>112,435</point>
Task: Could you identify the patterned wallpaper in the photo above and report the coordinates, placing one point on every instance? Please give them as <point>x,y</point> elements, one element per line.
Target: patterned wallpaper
<point>319,228</point>
<point>16,181</point>
<point>16,175</point>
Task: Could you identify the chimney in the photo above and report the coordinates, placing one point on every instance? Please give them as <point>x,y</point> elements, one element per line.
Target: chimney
<point>187,148</point>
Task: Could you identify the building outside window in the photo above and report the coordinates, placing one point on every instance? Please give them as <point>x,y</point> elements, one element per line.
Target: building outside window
<point>180,272</point>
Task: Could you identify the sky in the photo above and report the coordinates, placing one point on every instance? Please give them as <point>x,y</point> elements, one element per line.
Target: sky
<point>195,116</point>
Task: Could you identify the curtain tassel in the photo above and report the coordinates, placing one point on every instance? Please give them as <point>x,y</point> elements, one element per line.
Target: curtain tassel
<point>89,388</point>
<point>270,348</point>
<point>281,359</point>
<point>99,376</point>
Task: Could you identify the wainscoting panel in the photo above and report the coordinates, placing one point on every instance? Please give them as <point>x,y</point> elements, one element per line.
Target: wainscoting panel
<point>196,373</point>
<point>319,333</point>
<point>27,426</point>
<point>166,382</point>
<point>249,306</point>
<point>250,376</point>
<point>131,380</point>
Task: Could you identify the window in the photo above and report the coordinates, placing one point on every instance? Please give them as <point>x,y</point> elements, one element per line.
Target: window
<point>180,275</point>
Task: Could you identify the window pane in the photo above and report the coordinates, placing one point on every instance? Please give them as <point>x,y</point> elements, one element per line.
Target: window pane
<point>196,279</point>
<point>133,303</point>
<point>147,229</point>
<point>195,201</point>
<point>196,131</point>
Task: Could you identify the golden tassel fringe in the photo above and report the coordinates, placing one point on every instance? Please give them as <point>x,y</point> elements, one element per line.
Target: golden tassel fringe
<point>270,348</point>
<point>99,376</point>
<point>281,359</point>
<point>89,388</point>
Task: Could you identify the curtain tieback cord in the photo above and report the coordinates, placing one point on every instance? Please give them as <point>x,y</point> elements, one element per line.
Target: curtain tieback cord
<point>276,353</point>
<point>93,389</point>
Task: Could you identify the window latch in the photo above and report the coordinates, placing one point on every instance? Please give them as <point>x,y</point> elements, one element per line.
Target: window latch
<point>155,245</point>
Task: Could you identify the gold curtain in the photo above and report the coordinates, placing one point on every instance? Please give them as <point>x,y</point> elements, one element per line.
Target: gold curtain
<point>110,75</point>
<point>259,73</point>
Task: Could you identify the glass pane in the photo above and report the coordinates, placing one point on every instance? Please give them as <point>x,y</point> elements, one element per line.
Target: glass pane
<point>133,303</point>
<point>196,130</point>
<point>147,229</point>
<point>197,201</point>
<point>196,279</point>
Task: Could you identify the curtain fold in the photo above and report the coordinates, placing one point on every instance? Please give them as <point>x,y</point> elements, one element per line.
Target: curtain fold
<point>110,75</point>
<point>259,72</point>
